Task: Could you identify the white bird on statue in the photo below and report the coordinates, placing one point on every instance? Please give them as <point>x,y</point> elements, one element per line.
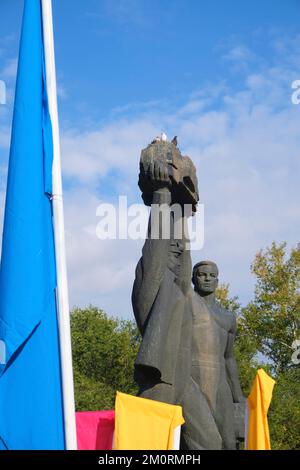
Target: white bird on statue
<point>164,137</point>
<point>157,139</point>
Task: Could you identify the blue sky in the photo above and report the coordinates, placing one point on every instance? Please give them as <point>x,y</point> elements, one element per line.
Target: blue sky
<point>216,73</point>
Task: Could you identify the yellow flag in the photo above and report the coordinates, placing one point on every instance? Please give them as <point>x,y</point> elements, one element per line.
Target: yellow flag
<point>143,424</point>
<point>258,404</point>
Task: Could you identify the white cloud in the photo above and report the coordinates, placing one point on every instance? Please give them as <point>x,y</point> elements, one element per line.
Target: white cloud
<point>245,144</point>
<point>238,54</point>
<point>246,149</point>
<point>91,155</point>
<point>100,271</point>
<point>9,71</point>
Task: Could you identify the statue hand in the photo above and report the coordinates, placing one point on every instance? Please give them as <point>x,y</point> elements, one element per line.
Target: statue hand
<point>158,175</point>
<point>176,249</point>
<point>239,418</point>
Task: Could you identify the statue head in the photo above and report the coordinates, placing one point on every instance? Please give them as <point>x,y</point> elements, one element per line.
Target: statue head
<point>205,277</point>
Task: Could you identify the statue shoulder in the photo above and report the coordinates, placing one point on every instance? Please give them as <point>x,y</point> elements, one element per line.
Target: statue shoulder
<point>229,315</point>
<point>195,297</point>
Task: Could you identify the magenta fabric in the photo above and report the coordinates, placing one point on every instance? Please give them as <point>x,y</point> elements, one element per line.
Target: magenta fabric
<point>95,430</point>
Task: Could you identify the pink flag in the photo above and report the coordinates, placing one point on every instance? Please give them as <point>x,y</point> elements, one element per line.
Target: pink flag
<point>95,430</point>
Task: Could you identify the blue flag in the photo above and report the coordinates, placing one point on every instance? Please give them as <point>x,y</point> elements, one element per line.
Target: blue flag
<point>31,409</point>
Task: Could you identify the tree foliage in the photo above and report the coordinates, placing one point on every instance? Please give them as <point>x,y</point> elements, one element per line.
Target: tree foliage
<point>284,412</point>
<point>104,350</point>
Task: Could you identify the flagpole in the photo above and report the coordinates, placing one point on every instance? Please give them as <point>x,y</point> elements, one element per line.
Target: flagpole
<point>59,237</point>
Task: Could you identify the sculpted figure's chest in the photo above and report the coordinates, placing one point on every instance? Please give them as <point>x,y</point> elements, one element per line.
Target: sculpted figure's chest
<point>210,330</point>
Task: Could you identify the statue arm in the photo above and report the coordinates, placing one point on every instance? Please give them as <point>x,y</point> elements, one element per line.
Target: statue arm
<point>159,252</point>
<point>152,266</point>
<point>233,379</point>
<point>231,367</point>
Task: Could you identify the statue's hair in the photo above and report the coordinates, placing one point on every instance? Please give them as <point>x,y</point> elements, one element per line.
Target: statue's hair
<point>204,263</point>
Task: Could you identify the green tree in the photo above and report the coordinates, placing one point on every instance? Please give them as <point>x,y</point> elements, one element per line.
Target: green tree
<point>272,319</point>
<point>284,412</point>
<point>104,350</point>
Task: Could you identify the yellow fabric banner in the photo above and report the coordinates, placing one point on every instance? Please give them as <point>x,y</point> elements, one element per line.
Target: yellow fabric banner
<point>143,424</point>
<point>258,404</point>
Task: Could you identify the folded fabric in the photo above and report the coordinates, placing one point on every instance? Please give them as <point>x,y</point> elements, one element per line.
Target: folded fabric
<point>95,430</point>
<point>143,424</point>
<point>258,404</point>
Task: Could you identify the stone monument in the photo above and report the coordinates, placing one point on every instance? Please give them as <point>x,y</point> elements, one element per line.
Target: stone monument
<point>186,355</point>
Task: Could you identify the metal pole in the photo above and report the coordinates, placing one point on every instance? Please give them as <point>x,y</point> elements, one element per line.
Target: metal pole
<point>63,310</point>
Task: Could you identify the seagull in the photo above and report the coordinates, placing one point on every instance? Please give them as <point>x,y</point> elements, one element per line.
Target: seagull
<point>163,137</point>
<point>174,141</point>
<point>157,139</point>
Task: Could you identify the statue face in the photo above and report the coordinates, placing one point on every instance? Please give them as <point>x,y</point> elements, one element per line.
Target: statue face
<point>206,279</point>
